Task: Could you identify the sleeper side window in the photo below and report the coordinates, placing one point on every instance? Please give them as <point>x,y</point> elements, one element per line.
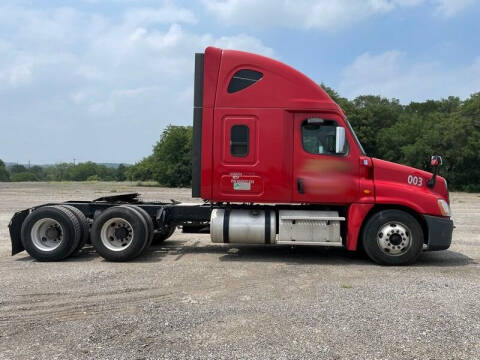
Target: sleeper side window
<point>239,140</point>
<point>243,79</point>
<point>319,137</point>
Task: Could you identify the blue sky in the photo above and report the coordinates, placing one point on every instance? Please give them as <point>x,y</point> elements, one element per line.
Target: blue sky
<point>99,79</point>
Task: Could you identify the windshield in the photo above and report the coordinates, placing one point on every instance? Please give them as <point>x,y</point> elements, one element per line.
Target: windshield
<point>356,138</point>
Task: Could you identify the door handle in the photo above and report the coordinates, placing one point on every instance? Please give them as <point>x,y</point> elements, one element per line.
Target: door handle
<point>300,188</point>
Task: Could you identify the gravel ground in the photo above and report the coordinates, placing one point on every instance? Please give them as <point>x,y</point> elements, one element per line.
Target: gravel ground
<point>190,299</point>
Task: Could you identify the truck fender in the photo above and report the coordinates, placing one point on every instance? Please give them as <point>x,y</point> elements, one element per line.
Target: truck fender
<point>355,216</point>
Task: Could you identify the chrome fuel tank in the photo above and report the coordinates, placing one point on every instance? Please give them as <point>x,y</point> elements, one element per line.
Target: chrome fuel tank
<point>243,226</point>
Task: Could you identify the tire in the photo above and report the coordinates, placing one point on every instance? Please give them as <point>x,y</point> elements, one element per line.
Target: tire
<point>50,233</point>
<point>84,227</point>
<point>393,237</point>
<point>119,233</point>
<point>149,222</point>
<point>160,237</point>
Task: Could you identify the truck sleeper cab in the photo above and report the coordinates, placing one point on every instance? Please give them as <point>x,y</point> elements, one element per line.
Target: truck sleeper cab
<point>276,162</point>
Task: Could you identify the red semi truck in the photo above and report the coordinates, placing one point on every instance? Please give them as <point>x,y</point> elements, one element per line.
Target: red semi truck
<point>275,161</point>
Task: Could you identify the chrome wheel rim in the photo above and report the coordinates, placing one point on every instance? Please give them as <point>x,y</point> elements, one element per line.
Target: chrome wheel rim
<point>116,234</point>
<point>47,234</point>
<point>394,238</point>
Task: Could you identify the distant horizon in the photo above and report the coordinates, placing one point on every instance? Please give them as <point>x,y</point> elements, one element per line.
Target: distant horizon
<point>108,164</point>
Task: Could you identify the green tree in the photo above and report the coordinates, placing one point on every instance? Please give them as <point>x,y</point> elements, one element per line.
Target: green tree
<point>172,157</point>
<point>16,168</point>
<point>4,175</point>
<point>471,109</point>
<point>58,172</point>
<point>24,176</point>
<point>141,171</point>
<point>83,171</point>
<point>121,173</point>
<point>449,105</point>
<point>37,171</point>
<point>369,115</point>
<point>346,105</point>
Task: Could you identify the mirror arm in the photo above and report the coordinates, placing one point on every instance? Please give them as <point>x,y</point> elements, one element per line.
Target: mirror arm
<point>433,180</point>
<point>436,161</point>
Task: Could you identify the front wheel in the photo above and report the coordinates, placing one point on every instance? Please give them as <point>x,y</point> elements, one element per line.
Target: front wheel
<point>393,237</point>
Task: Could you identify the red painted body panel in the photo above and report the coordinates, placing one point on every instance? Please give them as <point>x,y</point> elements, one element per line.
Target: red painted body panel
<point>392,187</point>
<point>281,86</point>
<point>327,179</point>
<point>268,164</point>
<point>355,216</point>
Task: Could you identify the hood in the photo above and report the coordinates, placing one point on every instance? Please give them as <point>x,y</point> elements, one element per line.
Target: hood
<point>396,181</point>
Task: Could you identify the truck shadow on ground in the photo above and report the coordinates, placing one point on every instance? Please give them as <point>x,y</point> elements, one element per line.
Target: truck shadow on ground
<point>296,255</point>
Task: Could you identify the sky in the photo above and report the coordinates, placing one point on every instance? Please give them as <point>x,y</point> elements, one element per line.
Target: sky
<point>99,80</point>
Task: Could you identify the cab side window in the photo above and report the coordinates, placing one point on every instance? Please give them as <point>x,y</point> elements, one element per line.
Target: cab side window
<point>319,137</point>
<point>243,79</point>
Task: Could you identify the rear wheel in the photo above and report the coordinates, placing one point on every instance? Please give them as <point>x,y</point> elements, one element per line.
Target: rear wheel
<point>84,227</point>
<point>50,233</point>
<point>119,233</point>
<point>393,237</point>
<point>148,220</point>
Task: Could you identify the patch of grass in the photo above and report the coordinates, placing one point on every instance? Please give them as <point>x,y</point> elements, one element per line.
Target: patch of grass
<point>346,286</point>
<point>148,184</point>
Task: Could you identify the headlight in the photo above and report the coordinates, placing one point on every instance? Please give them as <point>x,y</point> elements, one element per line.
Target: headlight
<point>444,208</point>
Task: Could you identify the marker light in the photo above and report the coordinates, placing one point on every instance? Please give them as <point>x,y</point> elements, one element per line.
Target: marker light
<point>444,208</point>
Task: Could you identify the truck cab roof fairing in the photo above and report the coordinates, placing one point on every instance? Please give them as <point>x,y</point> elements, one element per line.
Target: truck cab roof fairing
<point>280,87</point>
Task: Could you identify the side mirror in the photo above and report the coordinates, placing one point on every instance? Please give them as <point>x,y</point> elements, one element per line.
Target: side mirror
<point>436,161</point>
<point>340,140</point>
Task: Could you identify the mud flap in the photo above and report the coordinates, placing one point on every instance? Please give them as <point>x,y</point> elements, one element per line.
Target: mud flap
<point>15,228</point>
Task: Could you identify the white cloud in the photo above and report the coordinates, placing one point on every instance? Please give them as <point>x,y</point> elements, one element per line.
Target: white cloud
<point>391,75</point>
<point>88,86</point>
<point>243,41</point>
<point>321,14</point>
<point>318,14</point>
<point>166,14</point>
<point>449,8</point>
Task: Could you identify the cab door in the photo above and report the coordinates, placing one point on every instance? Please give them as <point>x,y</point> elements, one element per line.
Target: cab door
<point>322,172</point>
<point>252,155</point>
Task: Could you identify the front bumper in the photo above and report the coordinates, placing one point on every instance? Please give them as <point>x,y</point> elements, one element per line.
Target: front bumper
<point>439,232</point>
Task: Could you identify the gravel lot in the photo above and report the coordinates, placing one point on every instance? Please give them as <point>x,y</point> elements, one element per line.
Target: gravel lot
<point>190,299</point>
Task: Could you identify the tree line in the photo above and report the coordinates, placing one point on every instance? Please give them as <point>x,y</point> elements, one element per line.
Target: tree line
<point>87,171</point>
<point>407,134</point>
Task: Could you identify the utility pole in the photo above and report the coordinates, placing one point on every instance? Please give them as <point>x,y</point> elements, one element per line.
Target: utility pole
<point>74,161</point>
